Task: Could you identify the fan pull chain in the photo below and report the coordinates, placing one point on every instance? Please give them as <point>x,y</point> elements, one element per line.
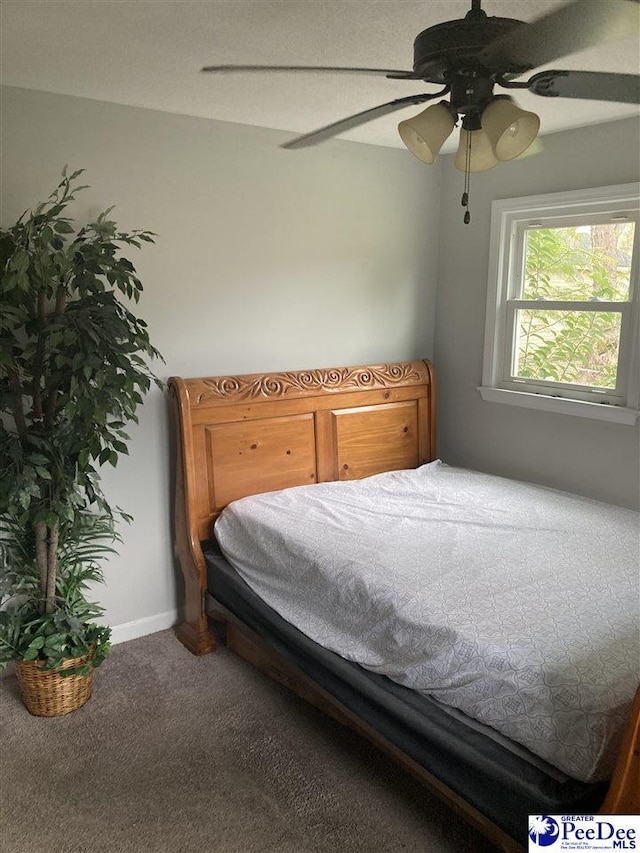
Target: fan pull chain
<point>467,180</point>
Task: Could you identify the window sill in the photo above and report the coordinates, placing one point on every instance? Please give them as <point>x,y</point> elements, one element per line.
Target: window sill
<point>581,408</point>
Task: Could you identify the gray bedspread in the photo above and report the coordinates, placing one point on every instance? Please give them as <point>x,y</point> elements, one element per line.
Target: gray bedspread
<point>514,603</point>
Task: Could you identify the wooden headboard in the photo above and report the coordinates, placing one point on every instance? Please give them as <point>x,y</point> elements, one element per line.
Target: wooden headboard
<point>244,435</point>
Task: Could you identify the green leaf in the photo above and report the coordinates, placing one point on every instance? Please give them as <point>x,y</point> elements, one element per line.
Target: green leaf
<point>33,648</point>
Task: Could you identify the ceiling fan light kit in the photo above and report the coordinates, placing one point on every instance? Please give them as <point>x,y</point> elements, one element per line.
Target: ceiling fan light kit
<point>472,55</point>
<point>475,152</point>
<point>425,134</point>
<point>510,129</point>
<point>505,131</point>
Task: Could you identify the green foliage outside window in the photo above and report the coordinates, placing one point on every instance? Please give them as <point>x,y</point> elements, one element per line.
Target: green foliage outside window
<point>579,264</point>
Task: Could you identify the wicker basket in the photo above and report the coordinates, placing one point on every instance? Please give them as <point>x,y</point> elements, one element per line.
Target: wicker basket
<point>46,693</point>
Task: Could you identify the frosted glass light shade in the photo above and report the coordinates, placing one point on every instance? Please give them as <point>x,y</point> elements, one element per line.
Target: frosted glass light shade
<point>510,129</point>
<point>425,133</point>
<point>482,156</point>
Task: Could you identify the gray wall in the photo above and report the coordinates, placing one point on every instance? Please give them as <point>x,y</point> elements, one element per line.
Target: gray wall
<point>265,260</point>
<point>270,260</point>
<point>593,458</point>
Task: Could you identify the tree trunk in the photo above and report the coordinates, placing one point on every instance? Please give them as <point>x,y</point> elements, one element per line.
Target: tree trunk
<point>18,410</point>
<point>52,568</point>
<point>42,559</point>
<point>605,238</point>
<point>36,390</point>
<point>51,402</point>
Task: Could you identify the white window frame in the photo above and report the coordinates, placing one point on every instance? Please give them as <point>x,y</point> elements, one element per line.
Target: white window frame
<point>510,219</point>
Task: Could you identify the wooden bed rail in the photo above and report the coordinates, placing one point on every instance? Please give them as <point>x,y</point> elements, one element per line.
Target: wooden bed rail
<point>194,631</point>
<point>623,796</point>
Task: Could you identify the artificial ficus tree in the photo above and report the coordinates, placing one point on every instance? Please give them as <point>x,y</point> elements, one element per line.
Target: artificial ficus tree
<point>73,371</point>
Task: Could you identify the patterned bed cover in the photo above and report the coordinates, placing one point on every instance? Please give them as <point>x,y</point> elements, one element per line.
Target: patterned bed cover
<point>514,603</point>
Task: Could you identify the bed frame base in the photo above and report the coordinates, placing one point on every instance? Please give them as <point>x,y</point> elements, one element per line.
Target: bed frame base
<point>196,643</point>
<point>248,645</point>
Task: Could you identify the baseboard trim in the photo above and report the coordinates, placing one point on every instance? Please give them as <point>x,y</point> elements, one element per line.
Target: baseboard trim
<point>142,627</point>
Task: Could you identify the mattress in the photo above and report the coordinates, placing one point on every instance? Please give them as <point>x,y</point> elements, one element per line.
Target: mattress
<point>503,781</point>
<point>516,604</point>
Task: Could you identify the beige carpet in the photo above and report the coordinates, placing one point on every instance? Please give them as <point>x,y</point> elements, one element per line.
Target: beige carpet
<point>175,753</point>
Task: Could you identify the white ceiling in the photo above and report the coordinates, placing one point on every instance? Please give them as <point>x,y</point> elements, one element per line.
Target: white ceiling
<point>148,53</point>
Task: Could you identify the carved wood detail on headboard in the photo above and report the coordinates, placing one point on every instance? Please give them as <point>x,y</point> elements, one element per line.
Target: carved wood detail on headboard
<point>303,383</point>
<point>242,435</point>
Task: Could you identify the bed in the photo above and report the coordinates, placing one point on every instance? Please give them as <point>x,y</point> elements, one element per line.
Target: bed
<point>240,436</point>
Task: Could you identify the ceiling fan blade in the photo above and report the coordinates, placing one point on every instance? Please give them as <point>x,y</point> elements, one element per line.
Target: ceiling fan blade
<point>590,85</point>
<point>385,72</point>
<point>344,124</point>
<point>576,26</point>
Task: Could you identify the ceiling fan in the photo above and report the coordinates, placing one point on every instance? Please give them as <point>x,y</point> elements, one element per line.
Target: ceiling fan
<point>468,58</point>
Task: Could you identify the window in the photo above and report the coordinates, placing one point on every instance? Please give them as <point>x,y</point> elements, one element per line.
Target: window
<point>562,309</point>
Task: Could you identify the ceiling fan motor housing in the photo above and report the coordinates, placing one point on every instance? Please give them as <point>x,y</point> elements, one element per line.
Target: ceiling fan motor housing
<point>453,46</point>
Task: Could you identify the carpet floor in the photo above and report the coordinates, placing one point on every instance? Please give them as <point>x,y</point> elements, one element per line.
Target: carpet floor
<point>175,753</point>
